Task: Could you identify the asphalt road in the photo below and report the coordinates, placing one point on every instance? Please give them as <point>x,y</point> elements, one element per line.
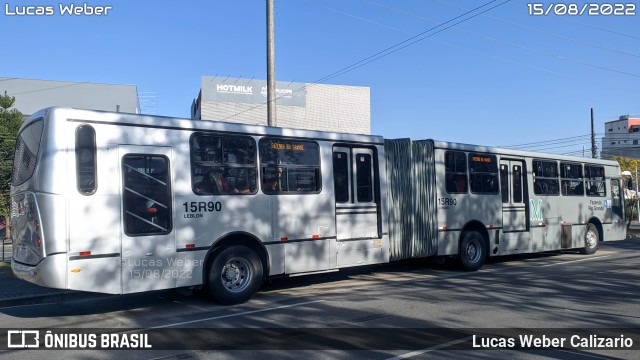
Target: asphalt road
<point>375,306</point>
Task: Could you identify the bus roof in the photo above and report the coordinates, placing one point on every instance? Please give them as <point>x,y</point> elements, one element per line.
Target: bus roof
<point>172,123</point>
<point>154,121</point>
<point>520,153</point>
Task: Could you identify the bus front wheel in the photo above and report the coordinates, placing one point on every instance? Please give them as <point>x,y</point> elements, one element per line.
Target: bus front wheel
<point>591,240</point>
<point>235,275</point>
<point>472,251</point>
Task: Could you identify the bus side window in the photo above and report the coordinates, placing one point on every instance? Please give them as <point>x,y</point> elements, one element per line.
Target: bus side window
<point>223,165</point>
<point>147,194</point>
<point>455,172</point>
<point>290,166</point>
<point>616,198</point>
<point>517,184</point>
<point>341,176</point>
<point>483,174</point>
<point>86,159</point>
<point>545,178</point>
<point>572,180</point>
<point>504,183</point>
<point>594,177</point>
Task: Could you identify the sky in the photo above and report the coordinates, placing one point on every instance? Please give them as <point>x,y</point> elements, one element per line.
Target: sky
<point>494,76</point>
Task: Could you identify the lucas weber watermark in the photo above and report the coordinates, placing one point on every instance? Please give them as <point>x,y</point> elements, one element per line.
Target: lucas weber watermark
<point>61,9</point>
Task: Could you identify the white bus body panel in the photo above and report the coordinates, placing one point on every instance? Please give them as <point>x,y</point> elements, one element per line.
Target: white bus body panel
<point>86,247</point>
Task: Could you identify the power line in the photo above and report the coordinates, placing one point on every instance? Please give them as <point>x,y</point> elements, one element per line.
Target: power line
<point>559,57</point>
<point>410,41</point>
<point>544,32</point>
<point>392,49</point>
<point>437,41</point>
<point>567,18</point>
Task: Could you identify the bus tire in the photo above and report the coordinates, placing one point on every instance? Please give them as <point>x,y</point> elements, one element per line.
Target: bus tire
<point>591,240</point>
<point>472,251</point>
<point>235,275</point>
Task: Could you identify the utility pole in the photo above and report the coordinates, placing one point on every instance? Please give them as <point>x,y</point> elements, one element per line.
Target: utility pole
<point>271,67</point>
<point>593,138</point>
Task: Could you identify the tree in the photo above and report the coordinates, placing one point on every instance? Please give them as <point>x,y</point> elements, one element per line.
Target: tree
<point>631,203</point>
<point>10,122</point>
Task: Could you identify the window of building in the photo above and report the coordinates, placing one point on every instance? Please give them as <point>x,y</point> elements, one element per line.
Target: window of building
<point>289,166</point>
<point>455,172</point>
<point>595,182</point>
<point>571,181</point>
<point>86,159</point>
<point>545,178</point>
<point>147,194</point>
<point>223,165</point>
<point>483,174</point>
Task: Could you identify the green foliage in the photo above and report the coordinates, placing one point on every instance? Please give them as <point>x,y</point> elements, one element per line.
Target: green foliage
<point>627,164</point>
<point>10,122</point>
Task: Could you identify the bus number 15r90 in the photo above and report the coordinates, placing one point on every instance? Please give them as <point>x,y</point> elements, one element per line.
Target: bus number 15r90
<point>447,201</point>
<point>201,206</point>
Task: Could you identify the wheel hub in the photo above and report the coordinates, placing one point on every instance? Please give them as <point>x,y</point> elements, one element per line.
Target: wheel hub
<point>237,275</point>
<point>591,239</point>
<point>472,251</point>
<point>231,273</point>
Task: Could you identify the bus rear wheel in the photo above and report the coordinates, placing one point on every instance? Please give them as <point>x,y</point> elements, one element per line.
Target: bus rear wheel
<point>472,251</point>
<point>235,275</point>
<point>591,240</point>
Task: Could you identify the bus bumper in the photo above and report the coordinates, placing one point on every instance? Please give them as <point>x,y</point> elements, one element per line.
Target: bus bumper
<point>46,273</point>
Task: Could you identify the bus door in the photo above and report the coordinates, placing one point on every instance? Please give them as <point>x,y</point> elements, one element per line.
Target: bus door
<point>356,208</point>
<point>619,228</point>
<point>148,243</point>
<point>514,204</point>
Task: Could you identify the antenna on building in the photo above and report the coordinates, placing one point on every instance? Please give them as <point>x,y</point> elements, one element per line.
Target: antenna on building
<point>148,102</point>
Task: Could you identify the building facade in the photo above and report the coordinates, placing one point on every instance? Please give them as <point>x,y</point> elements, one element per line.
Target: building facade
<point>323,107</point>
<point>33,95</point>
<point>622,137</point>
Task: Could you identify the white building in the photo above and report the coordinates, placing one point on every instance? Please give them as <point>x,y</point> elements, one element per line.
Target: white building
<point>337,108</point>
<point>622,137</point>
<point>33,95</point>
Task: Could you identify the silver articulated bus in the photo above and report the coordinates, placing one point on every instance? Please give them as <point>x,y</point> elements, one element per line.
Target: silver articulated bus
<point>121,203</point>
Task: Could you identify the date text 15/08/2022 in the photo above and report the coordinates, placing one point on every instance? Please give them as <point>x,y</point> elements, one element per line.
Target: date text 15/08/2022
<point>579,9</point>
